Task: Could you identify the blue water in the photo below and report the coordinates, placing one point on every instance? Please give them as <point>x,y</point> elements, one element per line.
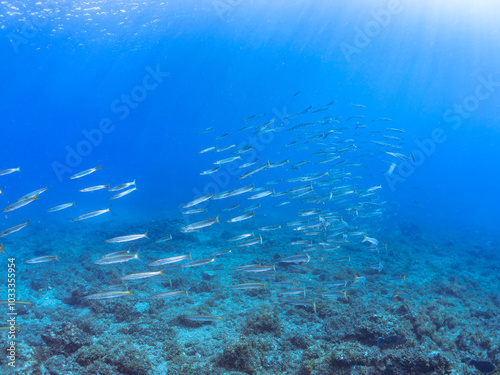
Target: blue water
<point>128,87</point>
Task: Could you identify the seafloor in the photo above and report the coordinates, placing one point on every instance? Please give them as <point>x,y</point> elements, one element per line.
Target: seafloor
<point>450,315</point>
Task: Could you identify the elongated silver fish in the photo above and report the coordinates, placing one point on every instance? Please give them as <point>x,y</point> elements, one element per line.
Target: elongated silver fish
<point>194,211</point>
<point>253,171</point>
<point>210,171</point>
<point>199,200</point>
<point>33,194</point>
<point>118,258</point>
<point>122,186</point>
<point>92,214</point>
<point>19,204</point>
<point>220,137</point>
<point>224,148</point>
<point>174,259</point>
<point>164,239</point>
<point>258,269</point>
<point>241,217</point>
<point>94,188</point>
<point>242,190</point>
<point>397,155</point>
<point>200,225</point>
<point>141,275</point>
<point>9,171</point>
<point>85,173</point>
<point>44,259</point>
<point>205,130</point>
<point>240,237</point>
<point>130,237</point>
<point>262,194</point>
<point>247,286</point>
<point>394,129</point>
<point>270,228</point>
<point>250,163</point>
<point>109,295</point>
<point>196,263</point>
<point>122,194</point>
<point>242,150</point>
<point>60,207</point>
<point>299,258</point>
<point>207,149</point>
<point>250,242</point>
<point>13,229</point>
<point>227,160</point>
<point>222,195</point>
<point>251,208</point>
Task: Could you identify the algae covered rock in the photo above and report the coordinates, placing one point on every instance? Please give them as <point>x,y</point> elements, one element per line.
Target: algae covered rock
<point>65,338</point>
<point>240,356</point>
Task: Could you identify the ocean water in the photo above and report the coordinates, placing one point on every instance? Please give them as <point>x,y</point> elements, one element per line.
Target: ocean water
<point>376,127</point>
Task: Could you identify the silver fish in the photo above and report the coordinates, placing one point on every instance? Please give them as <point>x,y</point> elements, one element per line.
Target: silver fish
<point>241,217</point>
<point>131,237</point>
<point>85,173</point>
<point>92,214</point>
<point>13,229</point>
<point>9,171</point>
<point>198,201</point>
<point>122,194</point>
<point>122,186</point>
<point>60,207</point>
